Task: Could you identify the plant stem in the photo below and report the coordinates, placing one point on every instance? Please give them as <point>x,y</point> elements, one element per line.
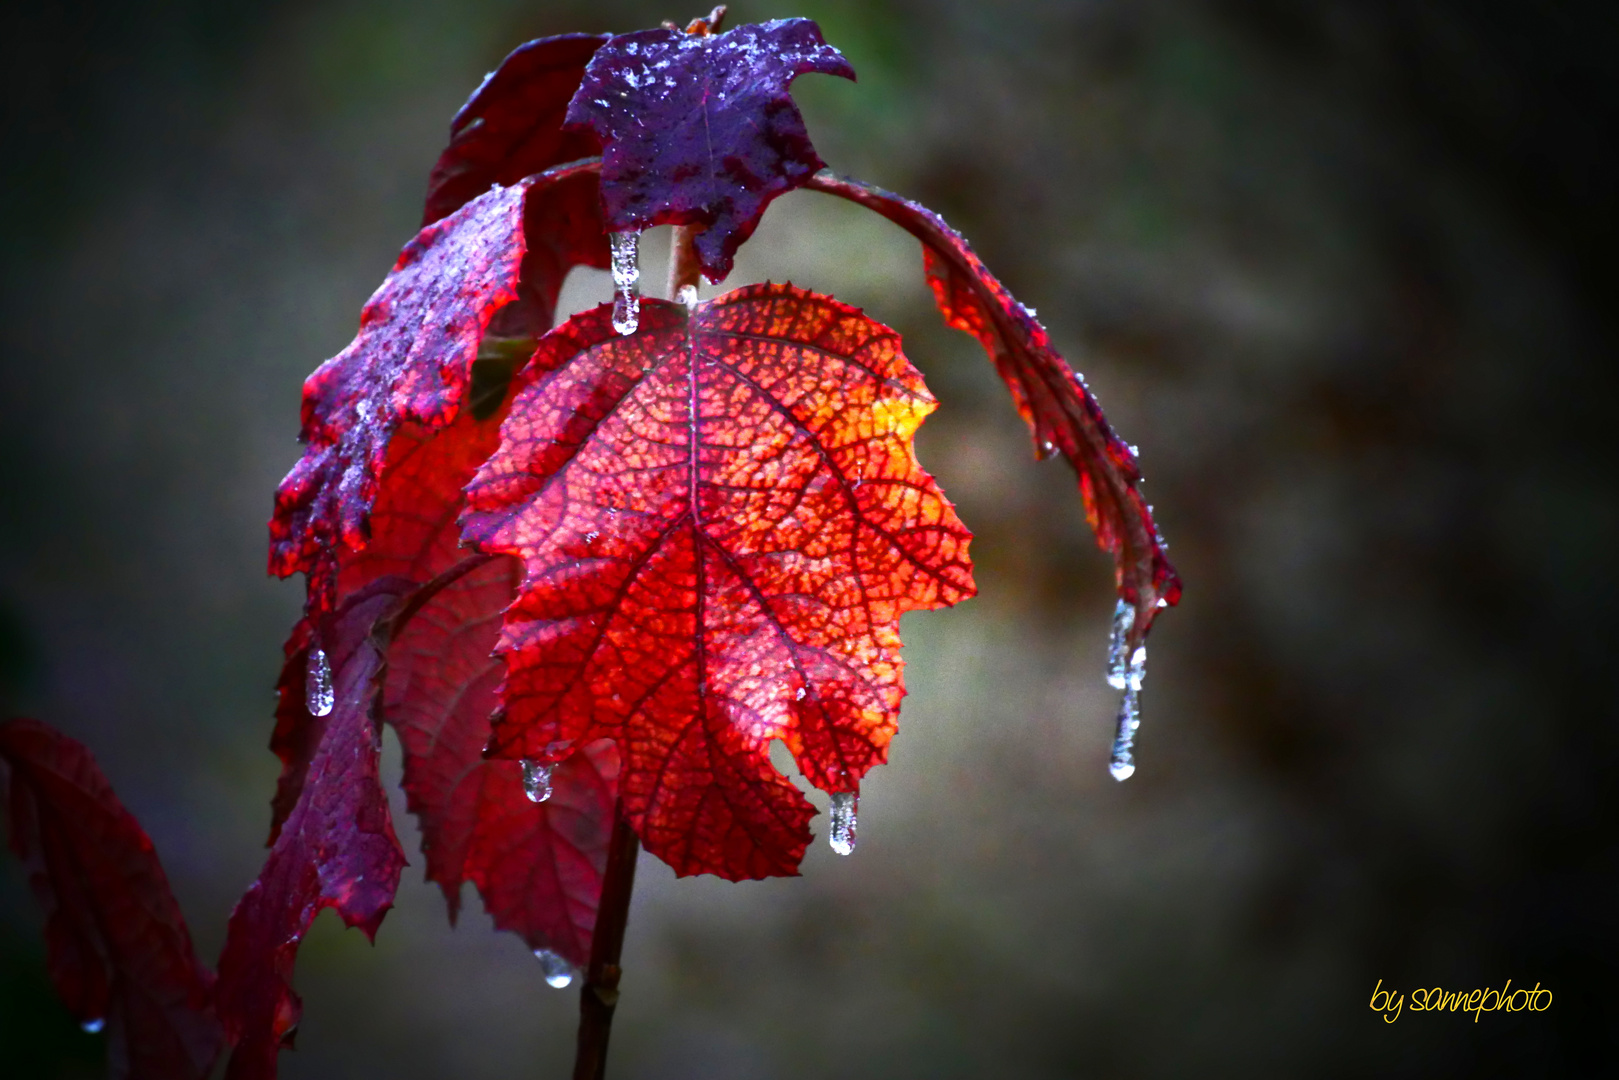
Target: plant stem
<point>683,267</point>
<point>599,996</point>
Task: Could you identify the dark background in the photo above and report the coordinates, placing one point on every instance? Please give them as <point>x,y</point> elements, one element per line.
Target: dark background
<point>1338,268</point>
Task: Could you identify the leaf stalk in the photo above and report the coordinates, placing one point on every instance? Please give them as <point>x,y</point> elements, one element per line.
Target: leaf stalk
<point>598,998</point>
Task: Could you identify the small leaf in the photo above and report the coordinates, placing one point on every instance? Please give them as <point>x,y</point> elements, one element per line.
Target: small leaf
<point>538,866</point>
<point>721,519</point>
<point>511,126</point>
<point>509,129</point>
<point>1061,412</point>
<point>335,848</point>
<point>118,947</point>
<point>700,130</point>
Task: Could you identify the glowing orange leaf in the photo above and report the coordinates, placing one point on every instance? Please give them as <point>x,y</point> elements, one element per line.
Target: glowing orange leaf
<point>721,520</point>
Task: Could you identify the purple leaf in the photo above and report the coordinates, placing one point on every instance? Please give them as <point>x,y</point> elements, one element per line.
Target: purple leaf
<point>700,130</point>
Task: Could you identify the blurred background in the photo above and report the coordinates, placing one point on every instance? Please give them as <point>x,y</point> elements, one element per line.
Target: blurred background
<point>1339,268</point>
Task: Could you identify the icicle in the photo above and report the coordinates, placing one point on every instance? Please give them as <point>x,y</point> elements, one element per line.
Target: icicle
<point>558,972</point>
<point>1124,618</point>
<point>1123,765</point>
<point>537,779</point>
<point>843,822</point>
<point>94,1026</point>
<point>318,696</point>
<point>626,281</point>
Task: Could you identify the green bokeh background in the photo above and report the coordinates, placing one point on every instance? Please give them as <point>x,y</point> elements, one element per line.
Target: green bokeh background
<point>1336,267</point>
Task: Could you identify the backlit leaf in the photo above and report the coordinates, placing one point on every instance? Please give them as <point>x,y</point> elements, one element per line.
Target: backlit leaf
<point>721,520</point>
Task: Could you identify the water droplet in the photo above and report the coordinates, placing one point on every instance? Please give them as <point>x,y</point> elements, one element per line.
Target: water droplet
<point>1123,765</point>
<point>318,695</point>
<point>1118,660</point>
<point>688,297</point>
<point>94,1026</point>
<point>843,822</point>
<point>537,779</point>
<point>800,694</point>
<point>626,281</point>
<point>558,972</point>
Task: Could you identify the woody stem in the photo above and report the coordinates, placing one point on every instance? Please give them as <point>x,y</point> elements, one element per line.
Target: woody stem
<point>599,996</point>
<point>683,267</point>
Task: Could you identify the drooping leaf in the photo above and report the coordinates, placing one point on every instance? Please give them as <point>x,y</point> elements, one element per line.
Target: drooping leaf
<point>118,947</point>
<point>700,128</point>
<point>1052,398</point>
<point>537,866</point>
<point>336,847</point>
<point>721,520</point>
<point>411,361</point>
<point>509,129</point>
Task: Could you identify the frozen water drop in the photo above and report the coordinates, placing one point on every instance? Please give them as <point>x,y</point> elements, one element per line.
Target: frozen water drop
<point>558,972</point>
<point>537,779</point>
<point>688,297</point>
<point>626,281</point>
<point>94,1025</point>
<point>1118,657</point>
<point>1123,765</point>
<point>843,822</point>
<point>800,696</point>
<point>318,695</point>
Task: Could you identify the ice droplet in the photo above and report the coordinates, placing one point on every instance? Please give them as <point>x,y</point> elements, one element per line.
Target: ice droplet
<point>318,695</point>
<point>1124,617</point>
<point>558,972</point>
<point>626,281</point>
<point>688,297</point>
<point>1123,765</point>
<point>94,1025</point>
<point>537,779</point>
<point>843,822</point>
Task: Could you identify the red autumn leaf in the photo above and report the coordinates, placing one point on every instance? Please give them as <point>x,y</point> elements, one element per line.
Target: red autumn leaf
<point>511,126</point>
<point>538,866</point>
<point>721,519</point>
<point>118,946</point>
<point>336,847</point>
<point>1061,413</point>
<point>700,128</point>
<point>411,361</point>
<point>509,129</point>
